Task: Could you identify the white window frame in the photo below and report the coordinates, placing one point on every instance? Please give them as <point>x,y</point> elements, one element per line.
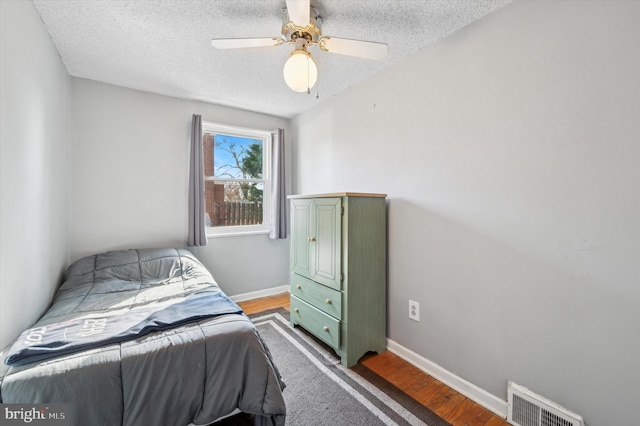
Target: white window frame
<point>242,132</point>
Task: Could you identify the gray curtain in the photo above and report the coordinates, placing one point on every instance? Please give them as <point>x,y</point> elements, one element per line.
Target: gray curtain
<point>278,225</point>
<point>197,236</point>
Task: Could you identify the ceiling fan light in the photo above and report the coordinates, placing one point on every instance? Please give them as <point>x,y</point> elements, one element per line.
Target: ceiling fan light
<point>300,71</point>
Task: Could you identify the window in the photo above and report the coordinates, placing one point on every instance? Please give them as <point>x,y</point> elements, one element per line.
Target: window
<point>237,173</point>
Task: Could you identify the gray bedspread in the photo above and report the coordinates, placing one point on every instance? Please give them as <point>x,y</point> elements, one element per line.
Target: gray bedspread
<point>191,373</point>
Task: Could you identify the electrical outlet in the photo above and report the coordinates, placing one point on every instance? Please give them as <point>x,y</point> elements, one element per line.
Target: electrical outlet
<point>414,310</point>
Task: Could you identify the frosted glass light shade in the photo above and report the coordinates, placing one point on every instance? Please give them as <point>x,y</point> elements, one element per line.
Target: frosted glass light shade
<point>300,71</point>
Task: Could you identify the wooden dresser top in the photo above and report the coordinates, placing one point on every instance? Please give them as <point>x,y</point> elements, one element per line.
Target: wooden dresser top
<point>338,194</point>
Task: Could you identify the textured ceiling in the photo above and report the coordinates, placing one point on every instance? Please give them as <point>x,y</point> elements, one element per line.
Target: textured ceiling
<point>164,46</point>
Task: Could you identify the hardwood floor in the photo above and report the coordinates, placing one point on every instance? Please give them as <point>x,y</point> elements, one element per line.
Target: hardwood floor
<point>439,398</point>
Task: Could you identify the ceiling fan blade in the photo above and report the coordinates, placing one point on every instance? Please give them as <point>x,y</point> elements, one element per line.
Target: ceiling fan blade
<point>299,11</point>
<point>360,49</point>
<point>239,43</point>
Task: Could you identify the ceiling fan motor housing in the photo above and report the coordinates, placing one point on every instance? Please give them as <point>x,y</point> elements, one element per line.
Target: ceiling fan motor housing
<point>311,33</point>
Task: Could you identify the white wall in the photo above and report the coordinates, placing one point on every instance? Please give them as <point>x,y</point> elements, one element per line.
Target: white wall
<point>129,181</point>
<point>510,152</point>
<point>34,117</point>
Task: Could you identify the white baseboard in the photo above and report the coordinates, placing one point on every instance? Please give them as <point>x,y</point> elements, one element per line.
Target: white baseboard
<point>260,293</point>
<point>468,389</point>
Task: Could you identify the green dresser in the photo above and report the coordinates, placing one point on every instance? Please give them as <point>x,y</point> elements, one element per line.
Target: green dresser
<point>339,270</point>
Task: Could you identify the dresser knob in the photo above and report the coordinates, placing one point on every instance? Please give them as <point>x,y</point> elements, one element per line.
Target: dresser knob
<point>299,287</point>
<point>325,328</point>
<point>312,239</point>
<point>328,301</point>
<point>296,310</point>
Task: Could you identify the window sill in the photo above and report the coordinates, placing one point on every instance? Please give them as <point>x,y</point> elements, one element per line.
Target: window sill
<point>237,233</point>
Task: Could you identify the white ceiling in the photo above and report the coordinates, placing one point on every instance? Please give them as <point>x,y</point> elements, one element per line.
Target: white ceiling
<point>164,46</point>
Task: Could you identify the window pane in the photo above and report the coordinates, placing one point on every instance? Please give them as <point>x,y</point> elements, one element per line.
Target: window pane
<point>236,157</point>
<point>233,203</point>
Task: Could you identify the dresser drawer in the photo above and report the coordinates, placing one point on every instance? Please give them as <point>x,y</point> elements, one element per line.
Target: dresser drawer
<point>322,297</point>
<point>323,326</point>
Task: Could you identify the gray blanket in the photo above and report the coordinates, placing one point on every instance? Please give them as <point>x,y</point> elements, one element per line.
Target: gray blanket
<point>194,372</point>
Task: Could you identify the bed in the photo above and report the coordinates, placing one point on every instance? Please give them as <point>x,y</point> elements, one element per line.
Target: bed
<point>141,337</point>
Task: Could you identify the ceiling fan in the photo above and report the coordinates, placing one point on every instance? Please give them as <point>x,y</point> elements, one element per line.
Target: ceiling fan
<point>302,29</point>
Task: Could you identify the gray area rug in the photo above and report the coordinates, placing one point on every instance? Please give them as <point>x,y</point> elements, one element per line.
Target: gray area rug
<point>320,391</point>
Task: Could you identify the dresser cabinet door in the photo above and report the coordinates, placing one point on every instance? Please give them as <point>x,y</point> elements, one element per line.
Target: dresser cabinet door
<point>303,229</point>
<point>316,240</point>
<point>327,267</point>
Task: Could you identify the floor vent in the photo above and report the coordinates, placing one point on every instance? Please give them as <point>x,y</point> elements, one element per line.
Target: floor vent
<point>526,408</point>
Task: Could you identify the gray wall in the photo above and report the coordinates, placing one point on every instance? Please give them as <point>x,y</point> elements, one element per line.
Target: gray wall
<point>34,117</point>
<point>510,152</point>
<point>129,181</point>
